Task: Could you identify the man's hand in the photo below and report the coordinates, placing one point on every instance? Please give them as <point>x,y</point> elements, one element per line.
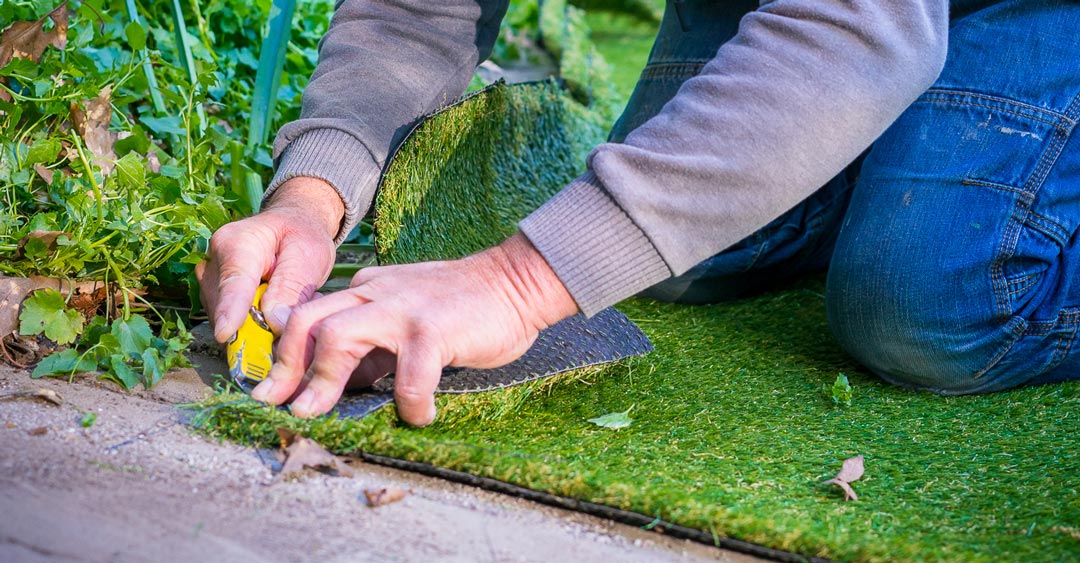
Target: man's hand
<point>289,244</point>
<point>482,311</point>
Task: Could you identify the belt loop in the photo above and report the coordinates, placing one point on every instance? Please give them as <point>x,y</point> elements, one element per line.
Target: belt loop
<point>679,14</point>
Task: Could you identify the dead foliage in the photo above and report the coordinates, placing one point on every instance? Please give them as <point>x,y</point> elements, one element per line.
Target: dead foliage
<point>28,39</point>
<point>91,122</point>
<point>381,497</point>
<point>47,395</point>
<point>851,470</point>
<point>298,453</point>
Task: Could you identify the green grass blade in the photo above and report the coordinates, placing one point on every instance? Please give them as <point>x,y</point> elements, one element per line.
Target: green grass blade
<point>148,67</point>
<point>187,60</point>
<point>268,75</point>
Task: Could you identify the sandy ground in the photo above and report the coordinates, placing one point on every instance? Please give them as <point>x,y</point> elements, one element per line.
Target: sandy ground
<point>139,485</point>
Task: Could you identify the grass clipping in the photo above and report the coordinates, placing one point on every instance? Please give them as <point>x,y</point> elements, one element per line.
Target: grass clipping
<point>731,432</point>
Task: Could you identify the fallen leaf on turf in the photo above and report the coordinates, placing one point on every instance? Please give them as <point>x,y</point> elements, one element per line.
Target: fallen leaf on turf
<point>40,430</point>
<point>851,470</point>
<point>42,393</point>
<point>28,39</point>
<point>92,124</point>
<point>301,452</point>
<point>380,497</point>
<point>615,420</point>
<point>10,424</point>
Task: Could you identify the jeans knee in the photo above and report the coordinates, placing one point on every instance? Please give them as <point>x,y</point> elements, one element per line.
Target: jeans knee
<point>912,333</point>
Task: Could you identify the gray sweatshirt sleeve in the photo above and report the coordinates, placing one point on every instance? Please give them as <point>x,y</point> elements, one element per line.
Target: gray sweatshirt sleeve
<point>381,65</point>
<point>796,95</point>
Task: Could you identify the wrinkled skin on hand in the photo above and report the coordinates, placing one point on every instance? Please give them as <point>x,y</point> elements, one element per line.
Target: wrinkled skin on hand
<point>482,311</point>
<point>289,244</point>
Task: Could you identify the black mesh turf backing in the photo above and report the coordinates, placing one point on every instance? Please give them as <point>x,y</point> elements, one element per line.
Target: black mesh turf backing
<point>572,343</point>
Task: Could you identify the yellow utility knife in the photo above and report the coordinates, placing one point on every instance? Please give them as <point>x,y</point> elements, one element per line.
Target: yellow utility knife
<point>250,352</point>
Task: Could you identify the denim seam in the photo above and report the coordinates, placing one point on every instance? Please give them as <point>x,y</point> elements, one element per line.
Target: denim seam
<point>1046,162</point>
<point>1068,318</point>
<point>1073,111</point>
<point>1020,285</point>
<point>665,76</point>
<point>1017,326</point>
<point>1022,213</point>
<point>1048,227</point>
<point>671,70</point>
<point>1063,346</point>
<point>988,184</point>
<point>1006,249</point>
<point>995,108</point>
<point>1002,100</point>
<point>1043,115</point>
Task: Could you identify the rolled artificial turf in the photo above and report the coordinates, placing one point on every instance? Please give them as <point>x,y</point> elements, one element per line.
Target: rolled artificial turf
<point>733,428</point>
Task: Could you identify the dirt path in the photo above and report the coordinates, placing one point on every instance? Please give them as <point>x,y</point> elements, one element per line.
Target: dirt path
<point>138,485</point>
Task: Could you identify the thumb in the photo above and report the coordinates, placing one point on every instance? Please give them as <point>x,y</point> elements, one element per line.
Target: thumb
<point>301,267</point>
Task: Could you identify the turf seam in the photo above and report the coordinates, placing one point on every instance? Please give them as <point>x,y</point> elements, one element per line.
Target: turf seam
<point>631,518</point>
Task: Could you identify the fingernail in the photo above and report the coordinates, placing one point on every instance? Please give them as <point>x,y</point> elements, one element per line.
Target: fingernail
<point>302,405</point>
<point>261,392</point>
<point>280,315</point>
<point>219,329</point>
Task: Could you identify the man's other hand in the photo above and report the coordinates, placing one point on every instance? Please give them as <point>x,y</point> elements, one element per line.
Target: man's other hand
<point>289,244</point>
<point>482,311</point>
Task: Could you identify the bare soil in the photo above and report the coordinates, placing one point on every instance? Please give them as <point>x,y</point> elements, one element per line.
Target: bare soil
<point>139,485</point>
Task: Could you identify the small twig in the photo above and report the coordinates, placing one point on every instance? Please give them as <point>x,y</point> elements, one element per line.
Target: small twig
<point>3,347</point>
<point>47,395</point>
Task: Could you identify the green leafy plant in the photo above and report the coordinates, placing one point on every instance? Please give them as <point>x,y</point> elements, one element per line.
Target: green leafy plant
<point>126,351</point>
<point>124,137</point>
<point>840,391</point>
<point>46,312</point>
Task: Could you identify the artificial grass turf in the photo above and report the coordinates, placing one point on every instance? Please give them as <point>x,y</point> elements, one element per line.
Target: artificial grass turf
<point>731,432</point>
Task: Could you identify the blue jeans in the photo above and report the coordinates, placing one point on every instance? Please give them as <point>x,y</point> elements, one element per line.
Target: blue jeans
<point>953,244</point>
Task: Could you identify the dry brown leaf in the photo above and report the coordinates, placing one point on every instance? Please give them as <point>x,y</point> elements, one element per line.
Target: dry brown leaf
<point>25,351</point>
<point>28,39</point>
<point>380,497</point>
<point>88,303</point>
<point>40,430</point>
<point>91,121</point>
<point>12,293</point>
<point>301,452</point>
<point>10,424</point>
<point>851,470</point>
<point>46,174</point>
<point>41,393</point>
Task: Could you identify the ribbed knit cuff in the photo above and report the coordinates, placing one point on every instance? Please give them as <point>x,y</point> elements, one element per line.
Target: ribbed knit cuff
<point>337,158</point>
<point>594,247</point>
